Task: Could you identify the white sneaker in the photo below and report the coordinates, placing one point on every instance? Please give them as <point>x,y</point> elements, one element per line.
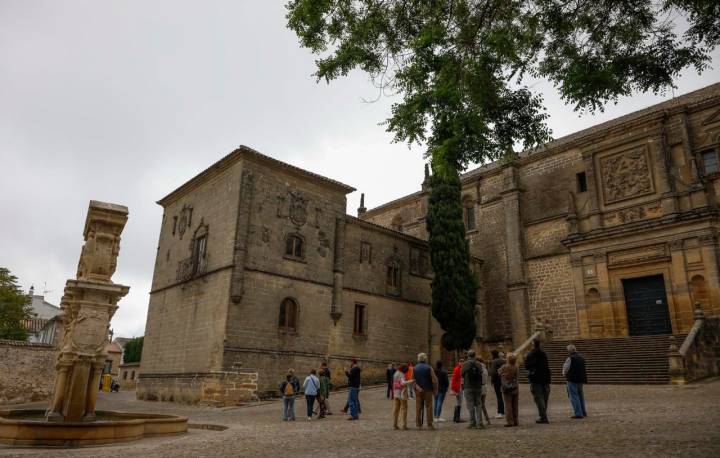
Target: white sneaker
<point>499,416</point>
<point>309,418</point>
<point>440,419</point>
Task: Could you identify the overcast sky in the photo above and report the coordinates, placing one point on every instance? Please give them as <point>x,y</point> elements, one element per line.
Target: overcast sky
<point>123,101</point>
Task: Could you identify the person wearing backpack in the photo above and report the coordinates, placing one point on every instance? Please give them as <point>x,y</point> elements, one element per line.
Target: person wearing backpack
<point>288,397</point>
<point>472,389</point>
<point>311,388</point>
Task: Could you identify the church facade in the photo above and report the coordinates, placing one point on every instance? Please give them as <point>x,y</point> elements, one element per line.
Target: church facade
<point>611,231</point>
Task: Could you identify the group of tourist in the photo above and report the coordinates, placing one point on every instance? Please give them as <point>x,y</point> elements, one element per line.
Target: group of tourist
<point>429,386</point>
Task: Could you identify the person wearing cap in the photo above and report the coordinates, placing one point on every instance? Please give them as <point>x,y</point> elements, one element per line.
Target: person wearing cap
<point>353,376</point>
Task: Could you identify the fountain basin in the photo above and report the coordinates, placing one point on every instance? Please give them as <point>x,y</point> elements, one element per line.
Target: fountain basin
<point>28,428</point>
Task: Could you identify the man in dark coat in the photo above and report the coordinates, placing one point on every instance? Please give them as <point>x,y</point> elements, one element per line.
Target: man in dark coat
<point>389,374</point>
<point>538,369</point>
<point>495,365</point>
<point>576,376</point>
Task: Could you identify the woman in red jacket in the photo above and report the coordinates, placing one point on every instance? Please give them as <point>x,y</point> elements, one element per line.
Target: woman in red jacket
<point>456,389</point>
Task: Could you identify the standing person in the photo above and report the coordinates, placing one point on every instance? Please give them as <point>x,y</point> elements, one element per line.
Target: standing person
<point>576,376</point>
<point>539,375</point>
<point>472,389</point>
<point>295,381</point>
<point>353,376</point>
<point>495,365</point>
<point>288,397</point>
<point>400,396</point>
<point>389,373</point>
<point>411,375</point>
<point>443,385</point>
<point>510,389</point>
<point>311,387</point>
<point>324,392</point>
<point>484,390</point>
<point>456,390</point>
<point>426,385</point>
<point>325,377</point>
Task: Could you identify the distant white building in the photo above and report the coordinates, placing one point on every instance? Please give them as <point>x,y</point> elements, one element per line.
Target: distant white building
<point>42,325</point>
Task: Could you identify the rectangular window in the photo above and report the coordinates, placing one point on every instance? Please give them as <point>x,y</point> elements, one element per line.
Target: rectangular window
<point>393,276</point>
<point>710,162</point>
<point>581,182</point>
<point>470,218</point>
<point>199,254</point>
<point>359,326</point>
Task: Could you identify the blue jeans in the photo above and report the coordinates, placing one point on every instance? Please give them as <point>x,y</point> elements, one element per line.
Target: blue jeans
<point>437,405</point>
<point>577,398</point>
<point>353,402</point>
<point>288,408</point>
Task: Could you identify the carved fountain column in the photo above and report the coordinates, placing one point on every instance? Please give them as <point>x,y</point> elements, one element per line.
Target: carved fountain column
<point>88,305</point>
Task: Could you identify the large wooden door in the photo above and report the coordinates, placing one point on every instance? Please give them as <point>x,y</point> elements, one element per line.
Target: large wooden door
<point>647,306</point>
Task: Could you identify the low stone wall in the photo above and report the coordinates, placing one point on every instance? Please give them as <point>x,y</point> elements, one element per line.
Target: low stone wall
<point>27,371</point>
<point>212,388</point>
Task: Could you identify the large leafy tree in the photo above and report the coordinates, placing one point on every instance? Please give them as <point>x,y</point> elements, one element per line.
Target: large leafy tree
<point>462,70</point>
<point>14,307</point>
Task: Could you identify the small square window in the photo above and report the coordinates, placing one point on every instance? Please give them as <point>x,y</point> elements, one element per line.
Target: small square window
<point>710,162</point>
<point>581,179</point>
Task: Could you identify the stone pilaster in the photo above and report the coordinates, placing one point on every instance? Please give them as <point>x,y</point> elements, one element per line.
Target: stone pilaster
<point>242,233</point>
<point>611,327</point>
<point>593,191</point>
<point>579,287</point>
<point>665,181</point>
<point>709,250</point>
<point>683,319</point>
<point>517,285</point>
<point>338,270</point>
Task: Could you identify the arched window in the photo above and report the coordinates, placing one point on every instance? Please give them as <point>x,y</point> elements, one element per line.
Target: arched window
<point>294,246</point>
<point>698,289</point>
<point>288,315</point>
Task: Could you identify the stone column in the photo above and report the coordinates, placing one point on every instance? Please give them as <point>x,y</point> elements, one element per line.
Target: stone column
<point>709,250</point>
<point>593,192</point>
<point>92,389</point>
<point>516,284</point>
<point>88,305</point>
<point>683,319</point>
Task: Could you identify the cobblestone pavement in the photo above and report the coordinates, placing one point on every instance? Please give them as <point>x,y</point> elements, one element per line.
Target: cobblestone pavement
<point>628,421</point>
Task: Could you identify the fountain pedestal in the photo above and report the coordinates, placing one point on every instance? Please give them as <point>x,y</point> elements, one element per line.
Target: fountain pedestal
<point>88,304</point>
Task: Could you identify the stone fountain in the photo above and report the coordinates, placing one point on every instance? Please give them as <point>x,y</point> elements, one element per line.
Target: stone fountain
<point>88,304</point>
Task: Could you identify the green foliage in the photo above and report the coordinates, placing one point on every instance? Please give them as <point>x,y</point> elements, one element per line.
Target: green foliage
<point>463,72</point>
<point>133,350</point>
<point>14,308</point>
<point>453,286</point>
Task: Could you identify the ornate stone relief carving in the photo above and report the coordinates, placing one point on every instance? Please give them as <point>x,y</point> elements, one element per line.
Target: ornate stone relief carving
<point>638,255</point>
<point>298,207</point>
<point>184,219</point>
<point>627,215</point>
<point>324,244</point>
<point>626,175</point>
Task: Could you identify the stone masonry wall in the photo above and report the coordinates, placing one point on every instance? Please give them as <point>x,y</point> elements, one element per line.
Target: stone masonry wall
<point>552,296</point>
<point>27,371</point>
<point>220,388</point>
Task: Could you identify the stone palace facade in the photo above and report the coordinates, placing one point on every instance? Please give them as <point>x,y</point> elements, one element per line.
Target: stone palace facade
<point>611,231</point>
